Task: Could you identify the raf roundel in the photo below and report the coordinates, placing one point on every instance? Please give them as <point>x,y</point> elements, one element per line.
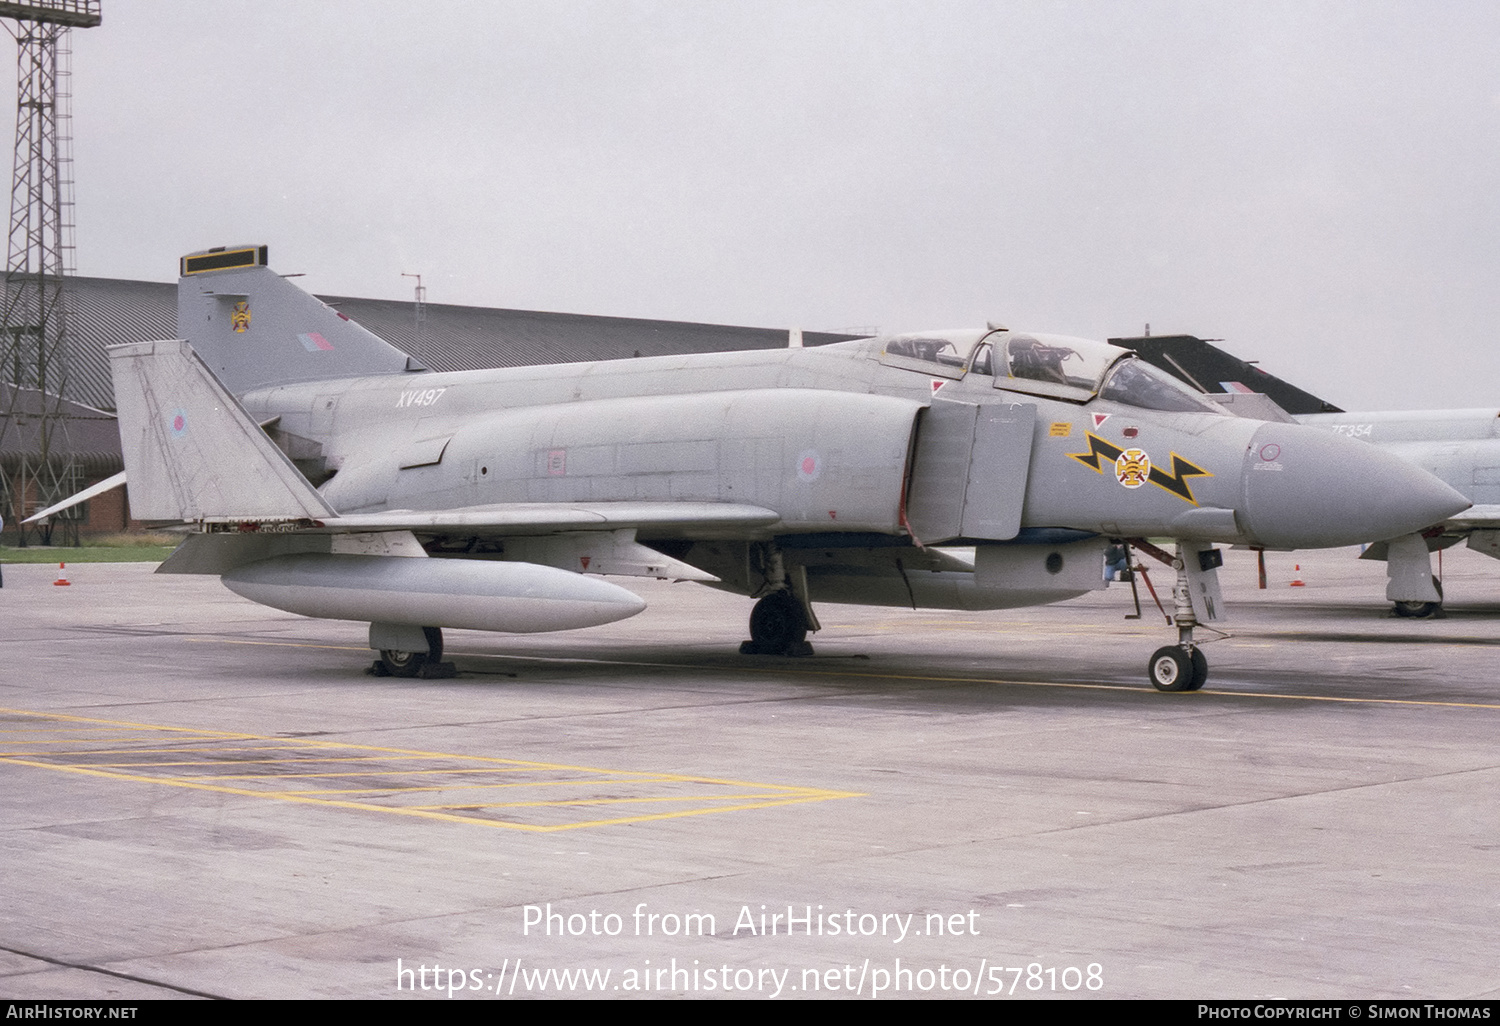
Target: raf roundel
<point>809,465</point>
<point>178,423</point>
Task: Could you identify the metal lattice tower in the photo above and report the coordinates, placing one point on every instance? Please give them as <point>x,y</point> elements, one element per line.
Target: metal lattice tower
<point>38,466</point>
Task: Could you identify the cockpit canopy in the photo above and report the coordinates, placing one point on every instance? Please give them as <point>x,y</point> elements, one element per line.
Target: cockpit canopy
<point>1056,366</point>
<point>941,352</point>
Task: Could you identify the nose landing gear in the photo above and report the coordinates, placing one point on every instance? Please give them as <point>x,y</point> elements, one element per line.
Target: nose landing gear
<point>1183,666</point>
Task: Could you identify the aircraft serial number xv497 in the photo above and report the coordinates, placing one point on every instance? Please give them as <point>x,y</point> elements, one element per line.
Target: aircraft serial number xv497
<point>324,472</point>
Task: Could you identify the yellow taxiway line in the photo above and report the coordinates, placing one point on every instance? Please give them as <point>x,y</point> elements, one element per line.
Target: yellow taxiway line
<point>739,795</point>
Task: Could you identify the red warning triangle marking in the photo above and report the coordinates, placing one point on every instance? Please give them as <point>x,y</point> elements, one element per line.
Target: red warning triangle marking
<point>1100,418</point>
<point>938,383</point>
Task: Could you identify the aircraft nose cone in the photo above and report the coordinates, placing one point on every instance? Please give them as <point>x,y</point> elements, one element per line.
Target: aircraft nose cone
<point>1305,488</point>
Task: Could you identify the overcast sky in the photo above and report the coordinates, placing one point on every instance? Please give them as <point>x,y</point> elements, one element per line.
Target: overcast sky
<point>1316,183</point>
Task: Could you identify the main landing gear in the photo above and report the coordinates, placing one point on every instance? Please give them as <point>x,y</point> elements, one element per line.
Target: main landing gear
<point>778,626</point>
<point>395,662</point>
<point>1416,593</point>
<point>780,621</point>
<point>1416,610</point>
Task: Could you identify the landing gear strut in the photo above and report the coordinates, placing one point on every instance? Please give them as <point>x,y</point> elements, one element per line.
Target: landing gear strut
<point>1414,590</point>
<point>1183,666</point>
<point>780,621</point>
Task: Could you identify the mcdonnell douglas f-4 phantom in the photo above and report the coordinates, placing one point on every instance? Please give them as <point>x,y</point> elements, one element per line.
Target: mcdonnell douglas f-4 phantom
<point>326,473</point>
<point>1459,447</point>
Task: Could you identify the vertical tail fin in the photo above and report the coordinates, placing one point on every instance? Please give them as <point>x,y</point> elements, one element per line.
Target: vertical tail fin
<point>191,451</point>
<point>254,329</point>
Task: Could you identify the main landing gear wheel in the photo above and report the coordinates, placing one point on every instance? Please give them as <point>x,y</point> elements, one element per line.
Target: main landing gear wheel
<point>1420,610</point>
<point>411,664</point>
<point>1176,668</point>
<point>1415,610</point>
<point>778,626</point>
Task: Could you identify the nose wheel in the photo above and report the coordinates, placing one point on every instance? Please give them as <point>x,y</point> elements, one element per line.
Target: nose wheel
<point>1183,666</point>
<point>1178,668</point>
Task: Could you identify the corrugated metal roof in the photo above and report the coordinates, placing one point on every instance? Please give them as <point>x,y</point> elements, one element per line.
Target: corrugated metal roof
<point>109,311</point>
<point>89,435</point>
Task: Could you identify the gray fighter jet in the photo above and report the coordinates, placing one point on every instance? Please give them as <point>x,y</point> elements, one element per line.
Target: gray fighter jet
<point>324,472</point>
<point>1459,447</point>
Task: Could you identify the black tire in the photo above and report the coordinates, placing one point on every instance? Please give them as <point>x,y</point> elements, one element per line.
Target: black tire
<point>1421,610</point>
<point>1416,610</point>
<point>777,623</point>
<point>1171,669</point>
<point>434,637</point>
<point>410,664</point>
<point>1200,670</point>
<point>403,664</point>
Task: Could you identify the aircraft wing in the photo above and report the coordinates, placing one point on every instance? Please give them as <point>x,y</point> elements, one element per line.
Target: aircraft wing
<point>526,518</point>
<point>704,518</point>
<point>595,538</point>
<point>1476,518</point>
<point>1480,524</point>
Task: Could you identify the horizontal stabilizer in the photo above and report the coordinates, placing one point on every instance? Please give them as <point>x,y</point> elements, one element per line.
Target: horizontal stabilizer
<point>108,484</point>
<point>191,451</point>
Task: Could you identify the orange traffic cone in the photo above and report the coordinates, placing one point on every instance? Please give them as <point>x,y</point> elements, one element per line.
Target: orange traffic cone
<point>62,576</point>
<point>1297,582</point>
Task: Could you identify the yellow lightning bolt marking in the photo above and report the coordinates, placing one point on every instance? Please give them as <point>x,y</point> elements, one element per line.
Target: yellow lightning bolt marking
<point>1176,482</point>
